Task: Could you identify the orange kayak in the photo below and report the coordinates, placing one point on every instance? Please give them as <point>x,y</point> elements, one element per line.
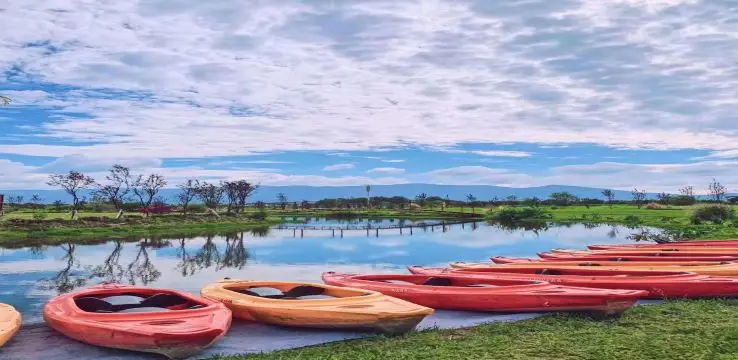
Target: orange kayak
<point>674,252</point>
<point>664,260</point>
<point>693,243</point>
<point>444,291</point>
<point>316,306</point>
<point>659,285</point>
<point>666,257</point>
<point>162,321</point>
<point>720,269</point>
<point>10,322</point>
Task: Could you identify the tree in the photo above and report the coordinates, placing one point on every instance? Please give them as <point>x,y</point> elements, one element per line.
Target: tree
<point>117,187</point>
<point>421,198</point>
<point>282,199</point>
<point>563,198</point>
<point>717,190</point>
<point>609,195</point>
<point>146,188</point>
<point>187,192</point>
<point>471,199</point>
<point>512,198</point>
<point>72,182</point>
<point>238,193</point>
<point>210,194</point>
<point>36,199</point>
<point>368,189</point>
<point>4,100</point>
<point>687,191</point>
<point>664,198</point>
<point>638,197</point>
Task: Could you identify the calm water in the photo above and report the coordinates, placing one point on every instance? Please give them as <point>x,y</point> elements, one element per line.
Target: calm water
<point>31,276</point>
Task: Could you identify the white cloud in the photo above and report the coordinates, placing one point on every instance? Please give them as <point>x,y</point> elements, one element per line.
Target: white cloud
<point>726,154</point>
<point>361,75</point>
<point>394,161</point>
<point>503,153</point>
<point>386,170</point>
<point>337,167</point>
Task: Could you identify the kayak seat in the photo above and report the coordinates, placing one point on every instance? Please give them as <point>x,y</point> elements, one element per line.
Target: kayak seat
<point>303,290</point>
<point>93,304</point>
<point>548,272</point>
<point>434,281</point>
<point>162,300</point>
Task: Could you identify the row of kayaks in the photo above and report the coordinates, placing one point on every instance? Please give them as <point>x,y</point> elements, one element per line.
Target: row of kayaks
<point>603,281</point>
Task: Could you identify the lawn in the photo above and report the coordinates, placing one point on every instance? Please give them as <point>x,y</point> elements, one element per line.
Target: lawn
<point>696,329</point>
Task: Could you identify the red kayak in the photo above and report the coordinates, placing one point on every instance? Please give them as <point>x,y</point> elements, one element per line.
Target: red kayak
<point>725,243</point>
<point>167,322</point>
<point>659,285</point>
<point>662,256</point>
<point>452,292</point>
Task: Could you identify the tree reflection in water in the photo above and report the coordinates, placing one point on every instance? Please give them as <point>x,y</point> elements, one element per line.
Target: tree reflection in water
<point>141,270</point>
<point>233,255</point>
<point>65,280</point>
<point>110,270</point>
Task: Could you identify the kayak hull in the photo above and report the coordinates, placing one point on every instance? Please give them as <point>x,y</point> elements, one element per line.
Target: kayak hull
<point>694,243</point>
<point>175,334</point>
<point>671,252</point>
<point>506,296</point>
<point>659,285</point>
<point>10,322</point>
<point>714,269</point>
<point>657,257</point>
<point>346,309</point>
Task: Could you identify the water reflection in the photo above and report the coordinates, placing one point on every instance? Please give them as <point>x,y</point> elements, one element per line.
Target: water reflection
<point>30,276</point>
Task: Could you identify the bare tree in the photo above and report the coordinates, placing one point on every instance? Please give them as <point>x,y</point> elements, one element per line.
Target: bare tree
<point>717,190</point>
<point>211,195</point>
<point>244,190</point>
<point>664,198</point>
<point>687,191</point>
<point>72,182</point>
<point>470,198</point>
<point>638,197</point>
<point>609,195</point>
<point>282,198</point>
<point>146,188</point>
<point>187,192</point>
<point>36,199</point>
<point>117,187</point>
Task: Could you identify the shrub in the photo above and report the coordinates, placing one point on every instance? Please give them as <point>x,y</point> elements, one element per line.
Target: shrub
<point>632,220</point>
<point>512,214</point>
<point>654,206</point>
<point>40,216</point>
<point>716,214</point>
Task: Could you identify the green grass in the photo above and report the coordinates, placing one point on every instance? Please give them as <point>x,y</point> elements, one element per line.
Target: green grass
<point>698,329</point>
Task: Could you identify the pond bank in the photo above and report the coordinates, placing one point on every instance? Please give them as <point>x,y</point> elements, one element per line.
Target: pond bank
<point>686,329</point>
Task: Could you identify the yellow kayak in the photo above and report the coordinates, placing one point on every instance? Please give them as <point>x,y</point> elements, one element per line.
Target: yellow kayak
<point>316,306</point>
<point>721,269</point>
<point>10,322</point>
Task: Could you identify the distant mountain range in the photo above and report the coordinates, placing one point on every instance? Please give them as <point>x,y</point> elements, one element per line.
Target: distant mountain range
<point>313,193</point>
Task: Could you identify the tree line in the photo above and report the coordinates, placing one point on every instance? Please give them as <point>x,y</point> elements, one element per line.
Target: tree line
<point>122,186</point>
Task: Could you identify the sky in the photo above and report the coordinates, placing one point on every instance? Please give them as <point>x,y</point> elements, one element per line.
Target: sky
<point>609,93</point>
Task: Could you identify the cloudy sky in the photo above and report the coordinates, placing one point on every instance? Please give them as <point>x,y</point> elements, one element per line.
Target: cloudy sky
<point>608,93</point>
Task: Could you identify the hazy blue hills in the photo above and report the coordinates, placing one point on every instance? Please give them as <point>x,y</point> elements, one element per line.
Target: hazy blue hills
<point>312,193</point>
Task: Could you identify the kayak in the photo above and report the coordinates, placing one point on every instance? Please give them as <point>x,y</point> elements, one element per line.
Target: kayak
<point>663,260</point>
<point>10,322</point>
<point>720,269</point>
<point>693,243</point>
<point>665,257</point>
<point>162,321</point>
<point>654,252</point>
<point>445,291</point>
<point>659,285</point>
<point>316,306</point>
<point>588,261</point>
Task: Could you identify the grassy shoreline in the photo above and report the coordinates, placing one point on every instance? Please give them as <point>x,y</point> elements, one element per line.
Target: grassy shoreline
<point>685,329</point>
<point>18,229</point>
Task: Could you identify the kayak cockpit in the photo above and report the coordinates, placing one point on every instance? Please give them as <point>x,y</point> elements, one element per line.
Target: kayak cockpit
<point>129,303</point>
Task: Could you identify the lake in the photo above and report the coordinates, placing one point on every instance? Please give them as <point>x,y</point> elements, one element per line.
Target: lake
<point>29,277</point>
